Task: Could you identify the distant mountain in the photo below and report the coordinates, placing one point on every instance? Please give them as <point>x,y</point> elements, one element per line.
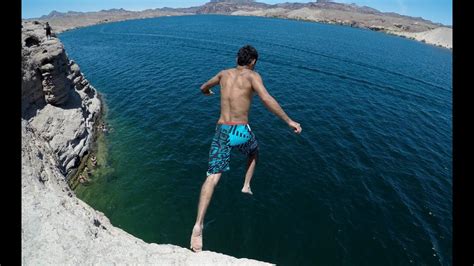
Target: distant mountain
<point>115,10</point>
<point>233,1</point>
<point>54,14</point>
<point>322,11</point>
<point>230,6</point>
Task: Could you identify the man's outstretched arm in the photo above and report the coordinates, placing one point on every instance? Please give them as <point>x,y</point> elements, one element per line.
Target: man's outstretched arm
<point>205,88</point>
<point>272,104</point>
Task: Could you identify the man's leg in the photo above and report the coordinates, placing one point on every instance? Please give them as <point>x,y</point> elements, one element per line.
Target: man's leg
<point>206,195</point>
<point>251,163</point>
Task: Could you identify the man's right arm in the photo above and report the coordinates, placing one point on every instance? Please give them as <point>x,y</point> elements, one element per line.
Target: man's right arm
<point>206,87</point>
<point>271,103</point>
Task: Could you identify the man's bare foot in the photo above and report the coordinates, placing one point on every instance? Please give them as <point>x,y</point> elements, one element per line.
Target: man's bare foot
<point>246,189</point>
<point>196,238</point>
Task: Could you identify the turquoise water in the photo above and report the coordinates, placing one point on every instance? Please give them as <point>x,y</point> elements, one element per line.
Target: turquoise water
<point>368,182</point>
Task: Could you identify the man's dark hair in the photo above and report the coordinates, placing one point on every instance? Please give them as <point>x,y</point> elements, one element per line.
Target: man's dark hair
<point>246,54</point>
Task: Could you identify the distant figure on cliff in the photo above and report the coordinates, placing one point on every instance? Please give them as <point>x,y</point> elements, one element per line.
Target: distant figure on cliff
<point>238,85</point>
<point>48,31</point>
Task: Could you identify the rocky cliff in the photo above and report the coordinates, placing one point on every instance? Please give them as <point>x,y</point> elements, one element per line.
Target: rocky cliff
<point>58,103</point>
<point>59,110</point>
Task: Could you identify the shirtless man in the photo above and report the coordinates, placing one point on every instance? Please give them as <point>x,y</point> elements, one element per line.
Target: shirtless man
<point>237,87</point>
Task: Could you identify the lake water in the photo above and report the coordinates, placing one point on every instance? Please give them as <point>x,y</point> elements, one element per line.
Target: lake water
<point>368,182</point>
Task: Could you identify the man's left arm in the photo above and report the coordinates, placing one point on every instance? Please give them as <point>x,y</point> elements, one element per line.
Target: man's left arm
<point>205,88</point>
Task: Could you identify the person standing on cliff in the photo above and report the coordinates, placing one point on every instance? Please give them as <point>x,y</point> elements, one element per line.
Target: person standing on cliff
<point>48,31</point>
<point>238,85</point>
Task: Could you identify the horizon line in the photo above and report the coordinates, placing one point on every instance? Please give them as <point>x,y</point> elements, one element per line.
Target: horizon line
<point>141,10</point>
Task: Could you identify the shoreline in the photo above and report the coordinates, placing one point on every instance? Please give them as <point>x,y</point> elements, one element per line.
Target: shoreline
<point>430,37</point>
<point>403,34</point>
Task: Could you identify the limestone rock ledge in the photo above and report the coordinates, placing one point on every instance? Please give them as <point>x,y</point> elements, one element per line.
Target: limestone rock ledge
<point>58,103</point>
<point>59,108</point>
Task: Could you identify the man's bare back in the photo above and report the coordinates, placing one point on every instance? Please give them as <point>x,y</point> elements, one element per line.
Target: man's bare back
<point>237,88</point>
<point>236,94</point>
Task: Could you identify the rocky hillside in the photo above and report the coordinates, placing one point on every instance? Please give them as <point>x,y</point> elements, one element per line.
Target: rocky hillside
<point>319,11</point>
<point>229,6</point>
<point>441,36</point>
<point>70,20</point>
<point>360,17</point>
<point>59,110</point>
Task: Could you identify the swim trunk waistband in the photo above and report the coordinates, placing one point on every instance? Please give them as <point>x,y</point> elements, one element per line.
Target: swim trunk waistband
<point>232,123</point>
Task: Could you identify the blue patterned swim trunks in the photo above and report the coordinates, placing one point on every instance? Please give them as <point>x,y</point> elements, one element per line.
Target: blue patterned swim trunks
<point>228,136</point>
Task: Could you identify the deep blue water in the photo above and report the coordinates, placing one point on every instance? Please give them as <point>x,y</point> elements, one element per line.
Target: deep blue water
<point>368,182</point>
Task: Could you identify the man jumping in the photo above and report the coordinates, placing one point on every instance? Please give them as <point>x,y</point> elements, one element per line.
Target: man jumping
<point>237,87</point>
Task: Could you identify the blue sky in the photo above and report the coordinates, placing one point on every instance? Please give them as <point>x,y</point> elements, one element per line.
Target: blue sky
<point>434,10</point>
